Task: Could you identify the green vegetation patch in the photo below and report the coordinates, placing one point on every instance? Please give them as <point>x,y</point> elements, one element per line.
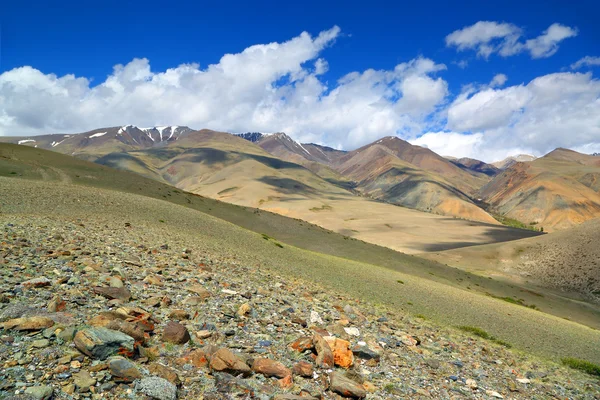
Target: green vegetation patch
<point>582,365</point>
<point>504,220</point>
<point>512,300</point>
<point>324,207</point>
<point>483,334</point>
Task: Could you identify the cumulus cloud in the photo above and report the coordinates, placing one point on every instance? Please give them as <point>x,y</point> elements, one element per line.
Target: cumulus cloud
<point>546,44</point>
<point>586,61</point>
<point>555,110</point>
<point>282,87</point>
<point>267,87</point>
<point>488,37</point>
<point>498,80</point>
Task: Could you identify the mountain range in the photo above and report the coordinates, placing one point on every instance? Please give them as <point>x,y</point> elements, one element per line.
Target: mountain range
<point>274,172</point>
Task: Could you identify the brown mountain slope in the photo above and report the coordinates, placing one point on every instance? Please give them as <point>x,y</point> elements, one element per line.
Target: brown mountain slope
<point>475,166</point>
<point>229,168</point>
<point>99,142</point>
<point>568,260</point>
<point>395,171</point>
<point>557,191</point>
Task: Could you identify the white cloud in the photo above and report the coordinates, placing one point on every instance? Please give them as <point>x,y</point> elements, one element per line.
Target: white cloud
<point>498,80</point>
<point>485,36</point>
<point>546,44</point>
<point>281,87</point>
<point>488,37</point>
<point>555,110</point>
<point>586,61</point>
<point>269,87</point>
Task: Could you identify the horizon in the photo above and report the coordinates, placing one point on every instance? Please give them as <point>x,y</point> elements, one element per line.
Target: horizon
<point>447,156</point>
<point>486,85</point>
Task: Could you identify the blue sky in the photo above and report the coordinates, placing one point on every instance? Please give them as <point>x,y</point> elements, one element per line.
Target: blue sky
<point>89,40</point>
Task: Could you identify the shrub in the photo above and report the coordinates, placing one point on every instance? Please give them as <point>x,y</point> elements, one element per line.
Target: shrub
<point>582,365</point>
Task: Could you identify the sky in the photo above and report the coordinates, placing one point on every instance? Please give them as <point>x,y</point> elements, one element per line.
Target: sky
<point>466,79</point>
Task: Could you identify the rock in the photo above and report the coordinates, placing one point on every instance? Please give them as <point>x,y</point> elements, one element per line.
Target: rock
<point>40,344</point>
<point>342,355</point>
<point>234,387</point>
<point>123,369</point>
<point>157,388</point>
<point>164,372</point>
<point>203,334</point>
<point>40,392</point>
<point>36,283</point>
<point>293,397</point>
<point>193,300</point>
<point>471,384</point>
<point>346,387</point>
<point>200,291</point>
<point>83,381</point>
<point>112,293</point>
<point>523,380</point>
<point>303,369</point>
<point>101,343</point>
<point>302,344</point>
<point>115,282</point>
<point>154,280</point>
<point>324,354</point>
<point>56,304</point>
<point>493,393</point>
<point>352,331</point>
<point>198,358</point>
<point>225,361</point>
<point>179,315</point>
<point>268,367</point>
<point>229,292</point>
<point>28,323</point>
<point>365,353</point>
<point>244,310</point>
<point>175,333</point>
<point>66,334</point>
<point>127,328</point>
<point>315,318</point>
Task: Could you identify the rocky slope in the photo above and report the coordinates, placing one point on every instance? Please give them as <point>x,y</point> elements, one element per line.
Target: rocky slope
<point>104,309</point>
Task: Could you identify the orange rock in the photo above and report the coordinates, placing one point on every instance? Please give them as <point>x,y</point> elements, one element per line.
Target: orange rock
<point>286,383</point>
<point>268,367</point>
<point>342,355</point>
<point>302,344</point>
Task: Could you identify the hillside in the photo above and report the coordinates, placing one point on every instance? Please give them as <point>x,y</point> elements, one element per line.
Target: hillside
<point>99,142</point>
<point>395,171</point>
<point>229,168</point>
<point>137,207</point>
<point>475,166</point>
<point>557,191</point>
<point>568,260</point>
<point>512,160</point>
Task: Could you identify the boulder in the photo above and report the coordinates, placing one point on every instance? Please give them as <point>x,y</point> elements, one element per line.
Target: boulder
<point>175,333</point>
<point>225,361</point>
<point>340,384</point>
<point>157,388</point>
<point>268,367</point>
<point>101,343</point>
<point>123,369</point>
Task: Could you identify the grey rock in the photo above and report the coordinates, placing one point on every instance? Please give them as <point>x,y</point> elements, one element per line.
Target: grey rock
<point>40,392</point>
<point>102,342</point>
<point>157,388</point>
